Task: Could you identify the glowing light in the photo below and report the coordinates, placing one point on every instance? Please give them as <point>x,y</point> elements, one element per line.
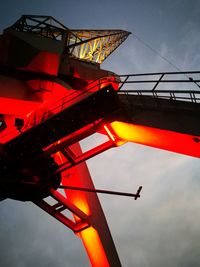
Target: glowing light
<point>16,107</point>
<point>95,85</point>
<point>80,202</point>
<point>94,247</point>
<point>109,133</point>
<point>172,141</point>
<point>113,137</point>
<point>89,236</point>
<point>45,62</point>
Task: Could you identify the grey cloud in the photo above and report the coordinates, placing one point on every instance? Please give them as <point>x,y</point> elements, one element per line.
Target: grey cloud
<point>161,228</point>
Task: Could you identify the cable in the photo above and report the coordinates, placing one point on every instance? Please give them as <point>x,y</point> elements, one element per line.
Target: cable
<point>164,58</point>
<point>157,53</point>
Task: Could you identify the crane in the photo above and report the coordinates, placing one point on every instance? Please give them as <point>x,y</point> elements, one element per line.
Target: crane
<point>54,94</point>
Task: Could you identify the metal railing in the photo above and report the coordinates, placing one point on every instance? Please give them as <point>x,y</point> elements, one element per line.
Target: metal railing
<point>160,77</point>
<point>68,100</point>
<point>184,85</point>
<point>176,79</point>
<point>176,95</point>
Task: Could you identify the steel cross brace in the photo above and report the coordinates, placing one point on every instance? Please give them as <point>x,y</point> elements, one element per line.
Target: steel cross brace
<point>62,204</point>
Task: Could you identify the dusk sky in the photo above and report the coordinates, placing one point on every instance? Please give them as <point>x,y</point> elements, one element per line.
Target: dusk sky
<point>161,228</point>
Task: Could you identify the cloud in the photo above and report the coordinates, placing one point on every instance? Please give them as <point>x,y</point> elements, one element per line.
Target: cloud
<point>34,238</point>
<point>161,228</point>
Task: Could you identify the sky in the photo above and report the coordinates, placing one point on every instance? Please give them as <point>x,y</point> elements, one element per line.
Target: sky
<point>161,228</point>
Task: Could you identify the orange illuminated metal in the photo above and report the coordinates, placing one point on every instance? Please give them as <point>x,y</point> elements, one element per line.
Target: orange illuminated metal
<point>17,107</point>
<point>112,135</point>
<point>163,139</point>
<point>46,68</point>
<point>109,133</point>
<point>94,247</point>
<point>42,74</point>
<point>78,177</point>
<point>44,62</point>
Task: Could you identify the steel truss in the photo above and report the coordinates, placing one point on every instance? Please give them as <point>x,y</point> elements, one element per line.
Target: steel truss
<point>61,203</point>
<point>90,45</point>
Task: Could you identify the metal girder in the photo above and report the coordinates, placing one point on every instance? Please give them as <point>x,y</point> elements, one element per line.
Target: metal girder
<point>96,45</point>
<point>89,45</point>
<point>45,26</point>
<point>56,210</point>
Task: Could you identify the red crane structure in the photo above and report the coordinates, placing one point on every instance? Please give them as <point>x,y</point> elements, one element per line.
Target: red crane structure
<point>53,94</point>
